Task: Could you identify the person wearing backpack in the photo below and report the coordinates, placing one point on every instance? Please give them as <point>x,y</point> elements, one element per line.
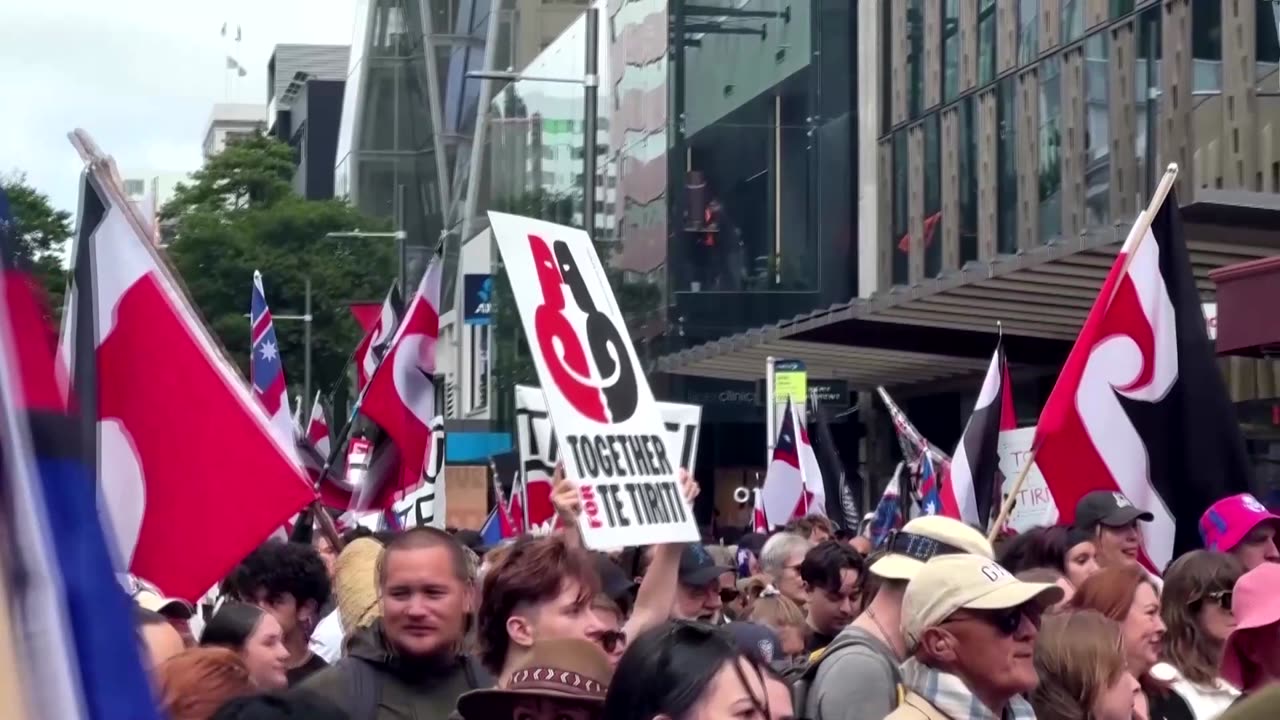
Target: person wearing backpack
<point>410,662</point>
<point>856,677</point>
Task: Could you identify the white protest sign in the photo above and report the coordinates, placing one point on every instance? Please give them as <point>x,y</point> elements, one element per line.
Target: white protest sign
<point>599,402</point>
<point>1034,505</point>
<point>539,451</point>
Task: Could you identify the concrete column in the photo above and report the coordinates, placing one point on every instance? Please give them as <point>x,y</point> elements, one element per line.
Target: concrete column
<point>1027,121</point>
<point>988,129</point>
<point>1175,138</point>
<point>968,55</point>
<point>932,53</point>
<point>1006,35</point>
<point>915,201</point>
<point>1239,94</point>
<point>1124,165</point>
<point>1072,152</point>
<point>873,184</point>
<point>1050,24</point>
<point>949,230</point>
<point>899,48</point>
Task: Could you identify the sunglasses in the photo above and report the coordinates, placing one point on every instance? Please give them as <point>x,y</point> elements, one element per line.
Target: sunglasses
<point>1006,622</point>
<point>728,595</point>
<point>609,640</point>
<point>1222,598</point>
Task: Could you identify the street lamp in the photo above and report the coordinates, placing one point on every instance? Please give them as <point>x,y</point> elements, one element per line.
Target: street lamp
<point>402,247</point>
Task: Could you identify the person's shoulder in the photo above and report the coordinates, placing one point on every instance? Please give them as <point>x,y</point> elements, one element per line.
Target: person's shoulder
<point>854,646</point>
<point>914,707</point>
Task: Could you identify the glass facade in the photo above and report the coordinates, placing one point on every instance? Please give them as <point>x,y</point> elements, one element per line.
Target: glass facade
<point>1007,166</point>
<point>1050,148</point>
<point>1028,30</point>
<point>1097,122</point>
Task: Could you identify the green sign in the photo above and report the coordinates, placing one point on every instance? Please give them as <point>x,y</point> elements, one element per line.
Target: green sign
<point>790,381</point>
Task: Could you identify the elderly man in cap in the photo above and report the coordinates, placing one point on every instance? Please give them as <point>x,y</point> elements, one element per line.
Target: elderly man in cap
<point>698,590</point>
<point>971,627</point>
<point>857,677</point>
<point>1112,520</point>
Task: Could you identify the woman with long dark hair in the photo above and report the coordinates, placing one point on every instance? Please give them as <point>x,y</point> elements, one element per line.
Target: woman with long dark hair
<point>255,635</point>
<point>692,671</point>
<point>1196,609</point>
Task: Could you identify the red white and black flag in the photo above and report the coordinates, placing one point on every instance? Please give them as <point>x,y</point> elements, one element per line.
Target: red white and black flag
<point>969,489</point>
<point>379,329</point>
<point>1140,407</point>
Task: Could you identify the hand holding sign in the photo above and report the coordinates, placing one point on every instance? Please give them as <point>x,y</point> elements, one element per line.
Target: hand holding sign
<point>601,406</point>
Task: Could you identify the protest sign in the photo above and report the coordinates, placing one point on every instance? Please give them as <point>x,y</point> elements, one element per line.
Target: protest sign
<point>596,394</point>
<point>1034,505</point>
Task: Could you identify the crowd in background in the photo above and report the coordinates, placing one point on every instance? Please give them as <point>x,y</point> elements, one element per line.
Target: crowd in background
<point>1056,623</point>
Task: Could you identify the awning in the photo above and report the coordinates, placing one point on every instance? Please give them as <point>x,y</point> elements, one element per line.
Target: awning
<point>946,327</point>
<point>1248,304</point>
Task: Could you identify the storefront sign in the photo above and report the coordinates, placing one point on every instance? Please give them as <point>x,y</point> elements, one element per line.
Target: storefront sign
<point>477,295</point>
<point>831,394</point>
<point>790,382</point>
<point>603,411</point>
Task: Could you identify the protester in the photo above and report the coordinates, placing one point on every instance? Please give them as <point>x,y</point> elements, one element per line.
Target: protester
<point>1068,550</point>
<point>160,641</point>
<point>832,573</point>
<point>355,596</point>
<point>857,676</point>
<point>1263,706</point>
<point>692,670</point>
<point>780,560</point>
<point>542,589</point>
<point>327,552</point>
<point>195,683</point>
<point>290,581</point>
<point>558,679</point>
<point>752,638</point>
<point>407,663</point>
<point>1112,520</point>
<point>1081,663</point>
<point>1240,525</point>
<point>750,545</point>
<point>177,611</point>
<point>1053,577</point>
<point>776,612</point>
<point>611,637</point>
<point>698,589</point>
<point>256,636</point>
<point>285,705</point>
<point>1195,606</point>
<point>813,527</point>
<point>1126,593</point>
<point>971,627</point>
<point>1251,657</point>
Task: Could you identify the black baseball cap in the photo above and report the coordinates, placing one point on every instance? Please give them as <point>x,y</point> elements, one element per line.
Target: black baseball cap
<point>1104,507</point>
<point>697,567</point>
<point>613,581</point>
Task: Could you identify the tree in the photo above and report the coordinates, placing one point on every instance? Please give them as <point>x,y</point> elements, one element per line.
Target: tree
<point>42,234</point>
<point>512,363</point>
<point>238,215</point>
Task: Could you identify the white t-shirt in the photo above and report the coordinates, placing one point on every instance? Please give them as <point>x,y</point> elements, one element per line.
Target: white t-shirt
<point>326,639</point>
<point>1206,703</point>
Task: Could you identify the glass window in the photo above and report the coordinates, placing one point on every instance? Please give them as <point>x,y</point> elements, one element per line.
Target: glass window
<point>886,68</point>
<point>1097,134</point>
<point>1206,45</point>
<point>1120,8</point>
<point>915,57</point>
<point>932,196</point>
<point>479,366</point>
<point>901,230</point>
<point>950,50</point>
<point>1050,146</point>
<point>1028,30</point>
<point>1146,99</point>
<point>1072,20</point>
<point>1267,69</point>
<point>1007,168</point>
<point>967,170</point>
<point>986,42</point>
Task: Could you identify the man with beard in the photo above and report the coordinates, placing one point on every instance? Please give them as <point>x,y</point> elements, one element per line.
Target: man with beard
<point>410,662</point>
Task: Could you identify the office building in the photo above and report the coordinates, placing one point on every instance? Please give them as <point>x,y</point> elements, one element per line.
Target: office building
<point>229,121</point>
<point>304,108</point>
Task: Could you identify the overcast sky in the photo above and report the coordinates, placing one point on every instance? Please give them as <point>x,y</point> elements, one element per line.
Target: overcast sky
<point>140,75</point>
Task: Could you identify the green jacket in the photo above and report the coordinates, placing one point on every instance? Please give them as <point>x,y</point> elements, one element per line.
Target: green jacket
<point>373,682</point>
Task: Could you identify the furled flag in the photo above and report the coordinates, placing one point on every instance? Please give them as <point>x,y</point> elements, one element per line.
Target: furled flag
<point>318,428</point>
<point>909,438</point>
<point>266,367</point>
<point>401,396</point>
<point>814,499</point>
<point>928,487</point>
<point>70,650</point>
<point>841,505</point>
<point>191,478</point>
<point>888,512</point>
<point>491,530</point>
<point>379,329</point>
<point>784,489</point>
<point>758,521</point>
<point>1140,407</point>
<point>969,488</point>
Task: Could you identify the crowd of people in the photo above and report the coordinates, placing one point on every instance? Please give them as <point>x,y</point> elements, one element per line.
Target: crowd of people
<point>934,623</point>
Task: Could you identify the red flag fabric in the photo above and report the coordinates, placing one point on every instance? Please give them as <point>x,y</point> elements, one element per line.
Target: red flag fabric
<point>366,314</point>
<point>400,396</point>
<point>379,331</point>
<point>192,478</point>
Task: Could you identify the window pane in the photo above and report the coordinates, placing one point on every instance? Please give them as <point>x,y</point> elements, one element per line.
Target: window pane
<point>1121,7</point>
<point>1147,98</point>
<point>900,228</point>
<point>915,56</point>
<point>950,50</point>
<point>932,197</point>
<point>968,174</point>
<point>1206,45</point>
<point>1007,168</point>
<point>1028,30</point>
<point>986,42</point>
<point>1097,138</point>
<point>1050,144</point>
<point>1268,46</point>
<point>1072,19</point>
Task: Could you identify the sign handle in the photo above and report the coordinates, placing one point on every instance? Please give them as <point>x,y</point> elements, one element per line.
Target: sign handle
<point>1007,506</point>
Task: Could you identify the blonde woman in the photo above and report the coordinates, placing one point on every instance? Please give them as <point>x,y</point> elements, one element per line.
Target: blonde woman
<point>1080,659</point>
<point>778,613</point>
<point>1196,609</point>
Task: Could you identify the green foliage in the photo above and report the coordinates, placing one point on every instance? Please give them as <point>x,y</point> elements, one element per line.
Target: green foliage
<point>512,363</point>
<point>42,235</point>
<point>239,215</point>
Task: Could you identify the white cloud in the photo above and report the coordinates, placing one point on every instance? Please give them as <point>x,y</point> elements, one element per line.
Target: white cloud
<point>140,75</point>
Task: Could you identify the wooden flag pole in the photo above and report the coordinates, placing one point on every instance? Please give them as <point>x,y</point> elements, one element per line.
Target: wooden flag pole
<point>1140,226</point>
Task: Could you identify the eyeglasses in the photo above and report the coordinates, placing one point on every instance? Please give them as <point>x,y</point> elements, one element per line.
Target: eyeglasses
<point>609,640</point>
<point>728,595</point>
